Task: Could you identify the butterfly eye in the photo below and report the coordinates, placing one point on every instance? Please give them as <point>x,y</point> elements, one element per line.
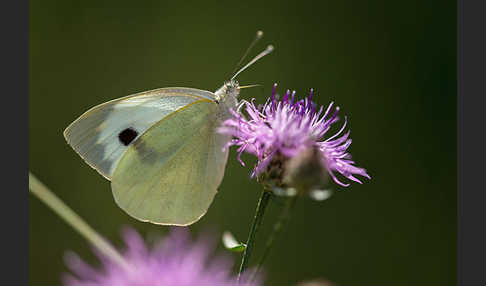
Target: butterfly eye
<point>127,136</point>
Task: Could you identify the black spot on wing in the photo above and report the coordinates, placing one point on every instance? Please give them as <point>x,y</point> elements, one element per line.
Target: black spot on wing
<point>127,136</point>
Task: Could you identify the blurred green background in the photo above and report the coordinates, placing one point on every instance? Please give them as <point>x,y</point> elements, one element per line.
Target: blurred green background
<point>389,65</point>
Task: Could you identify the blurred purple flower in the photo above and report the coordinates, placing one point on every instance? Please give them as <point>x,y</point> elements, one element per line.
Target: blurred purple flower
<point>174,261</point>
<point>286,127</point>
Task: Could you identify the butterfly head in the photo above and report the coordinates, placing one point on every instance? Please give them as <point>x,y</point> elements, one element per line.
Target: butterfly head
<point>229,91</point>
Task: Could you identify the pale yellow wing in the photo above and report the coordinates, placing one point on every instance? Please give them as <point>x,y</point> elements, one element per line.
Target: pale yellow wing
<point>171,173</point>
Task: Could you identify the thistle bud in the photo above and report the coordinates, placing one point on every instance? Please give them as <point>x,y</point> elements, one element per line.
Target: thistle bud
<point>306,171</point>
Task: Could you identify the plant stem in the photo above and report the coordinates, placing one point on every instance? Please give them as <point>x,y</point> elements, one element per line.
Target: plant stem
<point>51,200</point>
<point>277,227</point>
<point>257,220</point>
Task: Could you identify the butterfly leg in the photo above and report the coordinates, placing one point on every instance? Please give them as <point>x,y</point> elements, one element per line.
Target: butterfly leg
<point>240,105</point>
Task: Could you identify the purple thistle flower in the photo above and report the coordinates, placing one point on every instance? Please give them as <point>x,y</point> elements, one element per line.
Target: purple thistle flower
<point>173,261</point>
<point>286,127</point>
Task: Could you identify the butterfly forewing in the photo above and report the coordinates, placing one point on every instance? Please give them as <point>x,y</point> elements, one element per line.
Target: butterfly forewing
<point>102,134</point>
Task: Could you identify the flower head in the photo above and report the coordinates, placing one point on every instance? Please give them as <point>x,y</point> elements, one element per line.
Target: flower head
<point>284,127</point>
<point>174,261</point>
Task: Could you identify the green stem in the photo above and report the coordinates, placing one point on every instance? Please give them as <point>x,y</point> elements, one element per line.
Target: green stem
<point>277,228</point>
<point>257,220</point>
<point>69,216</point>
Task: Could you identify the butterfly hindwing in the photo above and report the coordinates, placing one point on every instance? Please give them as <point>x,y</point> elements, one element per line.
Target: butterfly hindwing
<point>171,173</point>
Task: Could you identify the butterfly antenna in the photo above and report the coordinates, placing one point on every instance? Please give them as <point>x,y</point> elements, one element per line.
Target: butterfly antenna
<point>267,51</point>
<point>249,86</point>
<point>258,36</point>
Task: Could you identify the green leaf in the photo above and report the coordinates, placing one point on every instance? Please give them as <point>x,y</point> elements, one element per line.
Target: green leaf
<point>231,243</point>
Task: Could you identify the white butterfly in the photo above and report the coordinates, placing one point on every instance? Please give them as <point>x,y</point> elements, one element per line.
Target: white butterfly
<point>160,148</point>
